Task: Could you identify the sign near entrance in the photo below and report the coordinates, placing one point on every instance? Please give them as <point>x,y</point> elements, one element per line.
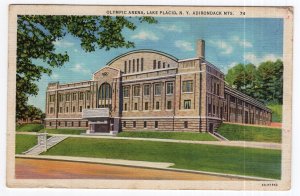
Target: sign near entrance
<point>95,113</point>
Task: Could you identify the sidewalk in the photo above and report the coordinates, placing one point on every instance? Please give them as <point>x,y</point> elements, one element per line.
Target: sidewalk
<point>245,144</point>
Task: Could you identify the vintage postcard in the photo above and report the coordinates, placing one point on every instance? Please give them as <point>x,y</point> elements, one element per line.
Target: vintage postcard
<point>150,97</point>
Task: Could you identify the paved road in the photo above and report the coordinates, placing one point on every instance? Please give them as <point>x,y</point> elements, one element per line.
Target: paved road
<point>51,169</point>
<point>245,144</point>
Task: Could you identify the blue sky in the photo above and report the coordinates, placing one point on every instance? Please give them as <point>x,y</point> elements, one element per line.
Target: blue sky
<point>228,41</point>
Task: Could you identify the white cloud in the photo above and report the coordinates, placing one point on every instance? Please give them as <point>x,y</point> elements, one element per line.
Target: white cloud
<point>224,46</point>
<point>63,43</point>
<point>171,27</point>
<point>252,58</point>
<point>80,69</point>
<point>241,42</point>
<point>184,45</point>
<point>145,35</point>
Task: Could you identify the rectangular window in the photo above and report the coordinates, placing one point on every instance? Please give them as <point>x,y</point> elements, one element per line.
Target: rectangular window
<point>214,109</point>
<point>157,90</point>
<point>88,95</point>
<point>146,106</point>
<point>125,106</point>
<point>135,106</point>
<point>187,104</point>
<point>73,96</point>
<point>136,90</point>
<point>232,99</point>
<point>137,64</point>
<point>134,124</point>
<point>158,66</point>
<point>209,108</point>
<point>88,107</point>
<point>170,88</point>
<point>218,89</point>
<point>68,97</point>
<point>61,97</point>
<point>52,98</point>
<point>133,65</point>
<point>146,90</point>
<point>145,124</point>
<point>126,91</point>
<point>51,110</point>
<point>156,124</point>
<point>124,124</point>
<point>169,105</point>
<point>154,64</point>
<point>81,96</point>
<point>215,88</point>
<point>168,65</point>
<point>50,124</point>
<point>142,64</point>
<point>125,66</point>
<point>74,109</point>
<point>164,65</point>
<point>80,108</point>
<point>67,109</point>
<point>129,66</point>
<point>187,86</point>
<point>60,109</point>
<point>157,105</point>
<point>186,124</point>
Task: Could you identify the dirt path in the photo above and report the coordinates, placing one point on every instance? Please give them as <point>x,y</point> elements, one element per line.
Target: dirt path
<point>49,169</point>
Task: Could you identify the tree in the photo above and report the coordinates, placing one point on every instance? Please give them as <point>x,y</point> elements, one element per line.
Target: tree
<point>242,77</point>
<point>270,77</point>
<point>35,40</point>
<point>263,83</point>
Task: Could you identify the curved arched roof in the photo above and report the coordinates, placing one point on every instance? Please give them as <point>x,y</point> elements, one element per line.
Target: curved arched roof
<point>142,50</point>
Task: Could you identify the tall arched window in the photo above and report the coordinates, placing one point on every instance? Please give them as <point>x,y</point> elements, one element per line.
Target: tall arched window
<point>105,94</point>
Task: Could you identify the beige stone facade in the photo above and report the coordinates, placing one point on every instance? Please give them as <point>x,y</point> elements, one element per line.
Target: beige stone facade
<point>152,90</point>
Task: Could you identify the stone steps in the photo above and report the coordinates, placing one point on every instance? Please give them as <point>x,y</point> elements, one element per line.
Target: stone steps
<point>39,148</point>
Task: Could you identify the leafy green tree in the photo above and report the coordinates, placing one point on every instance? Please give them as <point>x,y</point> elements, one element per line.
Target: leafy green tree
<point>34,113</point>
<point>35,41</point>
<point>263,83</point>
<point>242,77</point>
<point>270,77</point>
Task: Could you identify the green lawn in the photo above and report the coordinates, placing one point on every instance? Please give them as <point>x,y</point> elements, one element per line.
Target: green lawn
<point>250,133</point>
<point>276,112</point>
<point>29,127</point>
<point>222,159</point>
<point>169,135</point>
<point>64,131</point>
<point>24,142</point>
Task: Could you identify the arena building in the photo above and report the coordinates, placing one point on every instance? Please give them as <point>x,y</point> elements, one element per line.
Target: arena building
<point>151,90</point>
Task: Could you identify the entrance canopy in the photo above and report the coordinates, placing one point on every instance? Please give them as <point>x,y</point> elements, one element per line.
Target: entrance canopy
<point>95,113</point>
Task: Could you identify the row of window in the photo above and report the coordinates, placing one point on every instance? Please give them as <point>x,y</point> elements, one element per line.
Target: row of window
<point>134,65</point>
<point>66,97</point>
<point>67,109</point>
<point>186,105</point>
<point>187,87</point>
<point>159,64</point>
<point>70,124</point>
<point>185,124</point>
